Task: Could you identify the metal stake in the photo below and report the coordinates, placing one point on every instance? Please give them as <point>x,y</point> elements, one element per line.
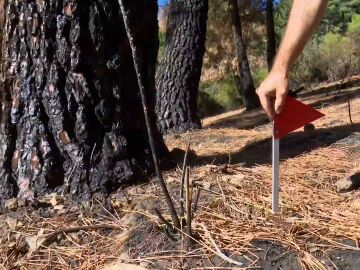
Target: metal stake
<point>275,173</point>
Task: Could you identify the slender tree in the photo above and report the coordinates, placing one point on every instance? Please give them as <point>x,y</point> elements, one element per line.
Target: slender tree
<point>179,73</point>
<point>71,116</point>
<point>270,31</point>
<point>247,84</point>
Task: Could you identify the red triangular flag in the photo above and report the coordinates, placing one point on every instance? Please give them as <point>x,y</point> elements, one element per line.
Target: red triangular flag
<point>294,115</point>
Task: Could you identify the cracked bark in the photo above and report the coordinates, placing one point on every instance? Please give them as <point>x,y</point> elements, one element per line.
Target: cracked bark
<point>71,115</point>
<point>247,85</point>
<point>179,74</point>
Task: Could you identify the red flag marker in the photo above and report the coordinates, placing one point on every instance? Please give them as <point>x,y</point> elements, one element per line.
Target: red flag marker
<point>295,115</point>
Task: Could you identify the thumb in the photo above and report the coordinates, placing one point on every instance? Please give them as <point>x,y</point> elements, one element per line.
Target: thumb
<point>280,102</point>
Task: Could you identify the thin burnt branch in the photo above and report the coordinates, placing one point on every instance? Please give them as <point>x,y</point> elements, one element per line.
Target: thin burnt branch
<point>188,209</point>
<point>349,108</point>
<point>183,173</point>
<point>136,60</point>
<point>196,201</point>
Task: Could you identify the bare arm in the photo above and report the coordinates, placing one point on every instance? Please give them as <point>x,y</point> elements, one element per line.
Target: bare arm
<point>304,18</point>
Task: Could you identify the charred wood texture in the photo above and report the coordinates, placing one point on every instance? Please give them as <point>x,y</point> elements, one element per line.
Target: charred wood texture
<point>179,74</point>
<point>247,85</point>
<point>270,32</point>
<point>71,115</point>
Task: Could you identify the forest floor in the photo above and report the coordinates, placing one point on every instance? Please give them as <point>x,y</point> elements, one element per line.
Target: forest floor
<point>318,228</point>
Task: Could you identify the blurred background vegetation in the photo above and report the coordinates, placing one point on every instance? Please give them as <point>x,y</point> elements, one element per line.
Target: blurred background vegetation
<point>333,53</point>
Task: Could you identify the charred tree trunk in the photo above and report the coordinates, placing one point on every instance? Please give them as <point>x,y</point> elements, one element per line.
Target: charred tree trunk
<point>247,85</point>
<point>270,32</point>
<point>179,74</point>
<point>71,115</point>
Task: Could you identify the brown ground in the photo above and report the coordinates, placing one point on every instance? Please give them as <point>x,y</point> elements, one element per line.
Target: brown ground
<point>317,228</point>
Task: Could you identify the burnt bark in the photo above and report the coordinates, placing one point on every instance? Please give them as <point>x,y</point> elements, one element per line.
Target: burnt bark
<point>179,73</point>
<point>247,85</point>
<point>71,114</point>
<point>270,32</point>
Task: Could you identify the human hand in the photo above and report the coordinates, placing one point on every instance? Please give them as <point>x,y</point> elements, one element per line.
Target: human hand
<point>272,92</point>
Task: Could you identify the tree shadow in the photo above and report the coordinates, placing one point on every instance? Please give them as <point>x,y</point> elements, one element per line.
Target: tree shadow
<point>330,88</point>
<point>257,118</point>
<point>335,98</point>
<point>244,120</point>
<point>294,144</point>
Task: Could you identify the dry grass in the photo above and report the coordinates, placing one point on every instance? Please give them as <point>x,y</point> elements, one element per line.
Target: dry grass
<point>312,214</point>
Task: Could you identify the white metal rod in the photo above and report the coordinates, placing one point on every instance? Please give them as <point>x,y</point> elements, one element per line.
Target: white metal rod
<point>275,175</point>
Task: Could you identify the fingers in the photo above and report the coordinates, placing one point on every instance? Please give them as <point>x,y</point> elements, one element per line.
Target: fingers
<point>267,103</point>
<point>272,93</point>
<point>280,102</point>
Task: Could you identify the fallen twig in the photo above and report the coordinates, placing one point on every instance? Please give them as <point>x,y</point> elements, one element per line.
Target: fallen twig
<point>47,239</point>
<point>218,250</point>
<point>82,228</point>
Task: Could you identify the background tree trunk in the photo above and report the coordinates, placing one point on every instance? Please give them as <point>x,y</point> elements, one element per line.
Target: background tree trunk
<point>248,89</point>
<point>270,31</point>
<point>71,116</point>
<point>179,74</point>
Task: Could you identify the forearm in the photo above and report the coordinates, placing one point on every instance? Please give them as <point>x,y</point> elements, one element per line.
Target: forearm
<point>305,16</point>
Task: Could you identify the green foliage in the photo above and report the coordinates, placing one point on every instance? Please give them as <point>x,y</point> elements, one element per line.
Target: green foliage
<point>339,56</point>
<point>161,52</point>
<point>337,18</point>
<point>334,51</point>
<point>259,75</point>
<point>334,57</point>
<point>331,40</point>
<point>207,105</point>
<point>354,26</point>
<point>281,17</point>
<point>223,92</point>
<point>339,15</point>
<point>308,67</point>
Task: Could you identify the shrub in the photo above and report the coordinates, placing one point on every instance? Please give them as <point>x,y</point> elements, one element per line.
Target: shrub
<point>309,67</point>
<point>339,56</point>
<point>207,106</point>
<point>354,26</point>
<point>259,75</point>
<point>333,57</point>
<point>223,92</point>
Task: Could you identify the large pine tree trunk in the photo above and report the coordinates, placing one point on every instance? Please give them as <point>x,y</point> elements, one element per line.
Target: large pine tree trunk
<point>179,74</point>
<point>71,116</point>
<point>247,85</point>
<point>270,32</point>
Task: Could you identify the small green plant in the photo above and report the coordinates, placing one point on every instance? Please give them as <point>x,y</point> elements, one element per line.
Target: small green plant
<point>333,57</point>
<point>259,75</point>
<point>354,26</point>
<point>339,56</point>
<point>207,105</point>
<point>162,44</point>
<point>223,92</point>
